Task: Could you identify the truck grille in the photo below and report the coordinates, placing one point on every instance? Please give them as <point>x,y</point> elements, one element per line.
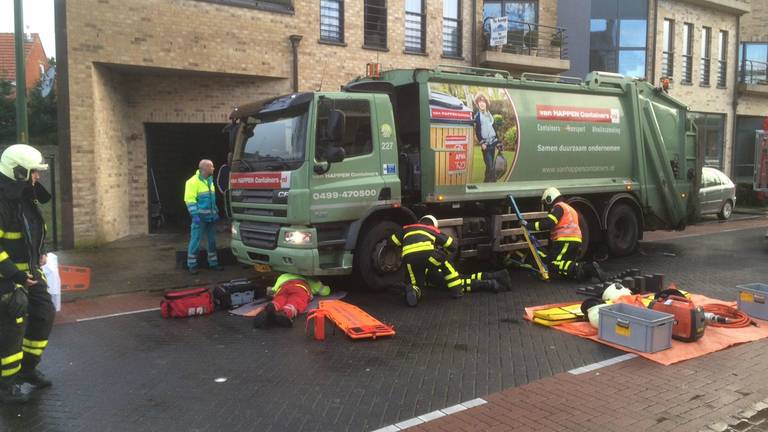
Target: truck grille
<point>260,196</point>
<point>259,212</point>
<point>259,234</point>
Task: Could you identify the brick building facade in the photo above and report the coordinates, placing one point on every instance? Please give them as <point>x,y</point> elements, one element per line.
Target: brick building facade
<point>142,81</point>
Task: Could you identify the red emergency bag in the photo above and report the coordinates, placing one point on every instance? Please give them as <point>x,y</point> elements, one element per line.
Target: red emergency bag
<point>186,303</point>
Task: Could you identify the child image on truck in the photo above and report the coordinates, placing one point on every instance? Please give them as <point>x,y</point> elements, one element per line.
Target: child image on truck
<point>492,153</point>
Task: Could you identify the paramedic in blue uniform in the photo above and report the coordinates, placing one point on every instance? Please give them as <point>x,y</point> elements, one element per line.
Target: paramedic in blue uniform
<point>200,197</point>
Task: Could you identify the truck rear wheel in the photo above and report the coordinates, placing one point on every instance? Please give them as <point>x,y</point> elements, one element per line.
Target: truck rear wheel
<point>623,230</point>
<point>377,262</point>
<point>584,227</point>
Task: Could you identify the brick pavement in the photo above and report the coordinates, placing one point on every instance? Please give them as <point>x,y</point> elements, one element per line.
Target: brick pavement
<point>142,373</point>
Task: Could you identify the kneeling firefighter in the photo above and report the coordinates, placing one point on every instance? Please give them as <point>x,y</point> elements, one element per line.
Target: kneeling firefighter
<point>425,249</point>
<point>562,222</point>
<point>26,309</point>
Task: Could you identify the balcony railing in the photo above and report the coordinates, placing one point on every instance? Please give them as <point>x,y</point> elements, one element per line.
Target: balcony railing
<point>753,72</point>
<point>531,39</point>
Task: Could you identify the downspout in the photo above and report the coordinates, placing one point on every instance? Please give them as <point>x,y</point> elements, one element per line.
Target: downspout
<point>295,39</point>
<point>735,94</point>
<point>474,32</point>
<point>655,33</point>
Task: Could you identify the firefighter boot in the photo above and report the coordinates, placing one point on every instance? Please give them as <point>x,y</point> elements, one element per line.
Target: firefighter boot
<point>591,269</point>
<point>412,294</point>
<point>33,377</point>
<point>11,392</point>
<point>502,277</point>
<point>491,285</point>
<point>265,316</point>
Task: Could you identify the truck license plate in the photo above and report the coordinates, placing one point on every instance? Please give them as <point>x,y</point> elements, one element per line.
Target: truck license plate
<point>262,268</point>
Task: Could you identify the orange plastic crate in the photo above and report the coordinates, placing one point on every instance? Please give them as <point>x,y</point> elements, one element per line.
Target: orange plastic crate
<point>74,278</point>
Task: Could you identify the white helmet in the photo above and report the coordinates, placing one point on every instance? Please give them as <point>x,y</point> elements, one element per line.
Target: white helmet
<point>428,220</point>
<point>18,160</point>
<point>549,196</point>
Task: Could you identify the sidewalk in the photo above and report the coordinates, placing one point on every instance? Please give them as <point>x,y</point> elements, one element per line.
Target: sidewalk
<point>143,263</point>
<point>726,390</point>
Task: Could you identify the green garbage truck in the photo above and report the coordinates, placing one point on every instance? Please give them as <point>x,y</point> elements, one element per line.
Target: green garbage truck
<point>320,180</point>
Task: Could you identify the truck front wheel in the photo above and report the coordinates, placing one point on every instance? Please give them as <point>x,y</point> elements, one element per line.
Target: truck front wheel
<point>623,230</point>
<point>377,262</point>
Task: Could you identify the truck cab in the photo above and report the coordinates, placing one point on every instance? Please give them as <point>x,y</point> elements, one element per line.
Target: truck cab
<point>305,168</point>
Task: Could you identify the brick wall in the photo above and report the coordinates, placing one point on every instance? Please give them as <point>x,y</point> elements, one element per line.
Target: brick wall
<point>132,62</point>
<point>709,99</point>
<point>754,25</point>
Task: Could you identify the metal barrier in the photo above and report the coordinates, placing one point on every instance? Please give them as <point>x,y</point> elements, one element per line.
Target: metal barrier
<point>530,39</point>
<point>753,72</point>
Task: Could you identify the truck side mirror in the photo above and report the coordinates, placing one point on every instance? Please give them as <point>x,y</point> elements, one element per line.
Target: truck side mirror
<point>335,126</point>
<point>334,154</point>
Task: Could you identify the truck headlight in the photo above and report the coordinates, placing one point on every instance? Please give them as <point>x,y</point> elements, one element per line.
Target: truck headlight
<point>298,237</point>
<point>233,230</point>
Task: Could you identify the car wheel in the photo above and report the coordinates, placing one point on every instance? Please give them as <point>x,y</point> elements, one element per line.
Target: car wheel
<point>726,211</point>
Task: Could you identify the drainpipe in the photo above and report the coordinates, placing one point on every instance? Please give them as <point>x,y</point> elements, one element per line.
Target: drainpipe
<point>295,39</point>
<point>735,94</point>
<point>474,32</point>
<point>655,32</point>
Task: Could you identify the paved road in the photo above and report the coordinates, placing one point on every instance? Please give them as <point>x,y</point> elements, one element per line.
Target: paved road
<point>140,372</point>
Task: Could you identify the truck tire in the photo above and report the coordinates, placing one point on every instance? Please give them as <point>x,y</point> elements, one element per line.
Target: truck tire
<point>377,262</point>
<point>584,227</point>
<point>622,231</point>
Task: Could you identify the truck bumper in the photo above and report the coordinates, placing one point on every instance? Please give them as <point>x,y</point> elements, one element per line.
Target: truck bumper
<point>281,259</point>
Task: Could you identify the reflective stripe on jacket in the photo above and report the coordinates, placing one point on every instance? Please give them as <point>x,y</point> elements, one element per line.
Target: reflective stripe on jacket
<point>200,196</point>
<point>420,238</point>
<point>567,228</point>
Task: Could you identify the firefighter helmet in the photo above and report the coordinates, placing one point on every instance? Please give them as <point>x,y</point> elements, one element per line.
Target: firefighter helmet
<point>428,220</point>
<point>549,196</point>
<point>19,160</point>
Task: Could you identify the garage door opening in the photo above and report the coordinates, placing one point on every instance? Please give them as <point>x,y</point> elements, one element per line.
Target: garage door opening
<point>173,153</point>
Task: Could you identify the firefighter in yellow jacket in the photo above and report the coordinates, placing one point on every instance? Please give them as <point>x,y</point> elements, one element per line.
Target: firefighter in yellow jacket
<point>562,222</point>
<point>26,309</point>
<point>425,249</point>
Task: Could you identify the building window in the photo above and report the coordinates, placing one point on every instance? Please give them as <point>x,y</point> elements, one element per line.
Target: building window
<point>415,26</point>
<point>332,20</point>
<point>722,69</point>
<point>744,148</point>
<point>452,28</point>
<point>711,136</point>
<point>668,50</point>
<point>687,53</point>
<point>706,53</point>
<point>753,61</point>
<point>375,23</point>
<point>618,31</point>
<point>518,12</point>
<point>270,5</point>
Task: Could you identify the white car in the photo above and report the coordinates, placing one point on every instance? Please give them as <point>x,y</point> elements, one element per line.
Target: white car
<point>717,194</point>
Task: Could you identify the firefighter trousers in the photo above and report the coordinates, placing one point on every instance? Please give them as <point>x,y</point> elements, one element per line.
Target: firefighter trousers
<point>419,264</point>
<point>562,258</point>
<point>26,320</point>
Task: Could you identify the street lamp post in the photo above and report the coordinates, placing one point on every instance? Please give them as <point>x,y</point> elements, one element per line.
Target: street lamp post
<point>22,129</point>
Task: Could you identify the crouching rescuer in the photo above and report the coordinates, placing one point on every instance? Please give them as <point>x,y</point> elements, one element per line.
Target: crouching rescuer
<point>425,252</point>
<point>26,309</point>
<point>562,222</point>
<point>291,295</point>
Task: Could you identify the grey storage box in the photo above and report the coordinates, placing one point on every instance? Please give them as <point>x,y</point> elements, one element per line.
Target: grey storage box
<point>752,300</point>
<point>641,329</point>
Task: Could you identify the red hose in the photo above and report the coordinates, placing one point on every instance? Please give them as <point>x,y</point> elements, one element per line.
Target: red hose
<point>736,318</point>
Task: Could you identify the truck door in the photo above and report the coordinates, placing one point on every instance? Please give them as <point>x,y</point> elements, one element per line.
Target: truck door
<point>351,186</point>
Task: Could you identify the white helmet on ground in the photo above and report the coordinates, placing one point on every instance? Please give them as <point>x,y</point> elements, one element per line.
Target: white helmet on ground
<point>428,220</point>
<point>18,160</point>
<point>549,196</point>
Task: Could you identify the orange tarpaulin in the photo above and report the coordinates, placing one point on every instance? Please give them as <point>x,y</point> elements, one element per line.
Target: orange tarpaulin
<point>714,339</point>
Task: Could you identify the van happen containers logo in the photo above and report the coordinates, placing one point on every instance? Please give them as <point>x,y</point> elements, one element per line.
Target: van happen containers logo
<point>577,114</point>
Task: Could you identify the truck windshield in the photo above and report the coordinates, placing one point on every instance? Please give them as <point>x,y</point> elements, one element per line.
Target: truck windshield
<point>273,142</point>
